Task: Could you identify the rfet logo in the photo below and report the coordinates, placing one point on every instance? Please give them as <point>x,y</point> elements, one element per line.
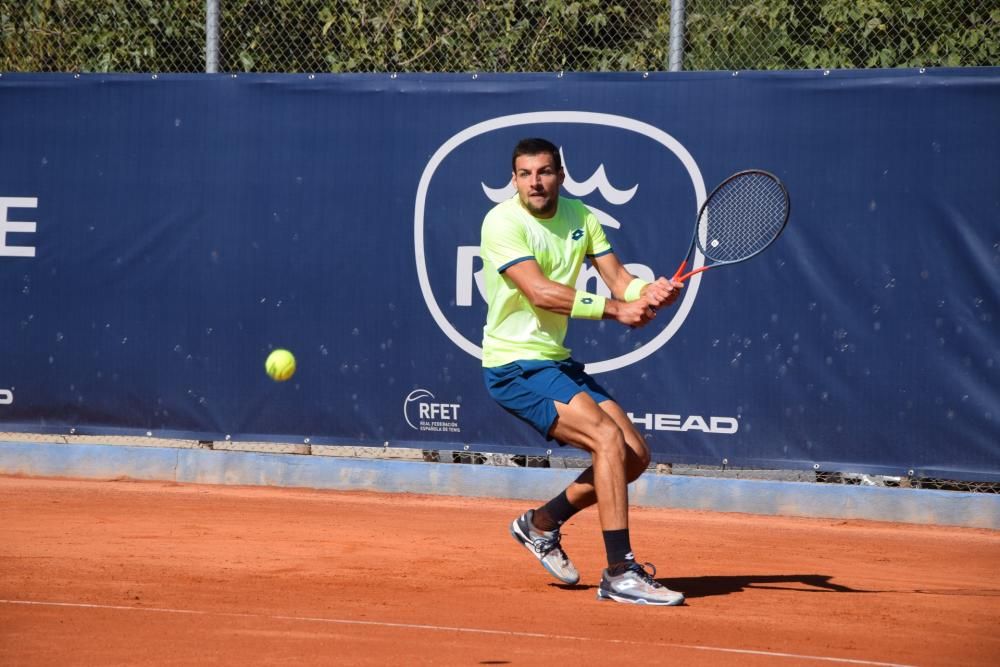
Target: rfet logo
<point>641,184</point>
<point>423,412</point>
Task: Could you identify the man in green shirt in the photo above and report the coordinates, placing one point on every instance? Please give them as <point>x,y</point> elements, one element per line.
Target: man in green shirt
<point>533,247</point>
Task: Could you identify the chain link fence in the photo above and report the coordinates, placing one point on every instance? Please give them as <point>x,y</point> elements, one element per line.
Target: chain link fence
<point>492,35</point>
<point>503,36</point>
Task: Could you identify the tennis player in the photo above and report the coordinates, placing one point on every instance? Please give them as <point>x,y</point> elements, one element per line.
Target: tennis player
<point>533,247</point>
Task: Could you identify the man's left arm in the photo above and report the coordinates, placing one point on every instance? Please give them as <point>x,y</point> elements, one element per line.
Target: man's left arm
<point>624,286</point>
<point>660,293</point>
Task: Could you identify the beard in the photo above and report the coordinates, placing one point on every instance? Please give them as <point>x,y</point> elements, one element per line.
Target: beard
<point>546,210</point>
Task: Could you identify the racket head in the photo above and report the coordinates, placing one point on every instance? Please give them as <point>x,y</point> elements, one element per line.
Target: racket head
<point>741,217</point>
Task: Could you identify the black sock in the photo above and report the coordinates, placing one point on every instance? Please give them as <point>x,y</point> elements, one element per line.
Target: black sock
<point>554,513</point>
<point>619,549</point>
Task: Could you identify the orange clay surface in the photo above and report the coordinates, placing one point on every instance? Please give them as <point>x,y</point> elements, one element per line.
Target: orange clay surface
<point>141,573</point>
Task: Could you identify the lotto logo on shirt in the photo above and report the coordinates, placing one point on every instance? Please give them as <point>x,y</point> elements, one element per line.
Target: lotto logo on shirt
<point>640,183</point>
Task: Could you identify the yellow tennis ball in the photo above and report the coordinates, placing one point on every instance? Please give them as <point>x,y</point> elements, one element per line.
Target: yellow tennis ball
<point>280,365</point>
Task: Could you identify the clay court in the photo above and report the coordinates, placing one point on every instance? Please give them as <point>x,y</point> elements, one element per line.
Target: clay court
<point>141,573</point>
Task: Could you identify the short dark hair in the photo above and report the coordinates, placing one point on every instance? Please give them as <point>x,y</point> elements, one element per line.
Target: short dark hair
<point>536,146</point>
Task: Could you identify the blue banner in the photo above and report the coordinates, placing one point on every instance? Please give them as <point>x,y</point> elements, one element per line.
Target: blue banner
<point>160,235</point>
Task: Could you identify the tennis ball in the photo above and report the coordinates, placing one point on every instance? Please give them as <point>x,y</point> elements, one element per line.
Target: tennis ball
<point>280,365</point>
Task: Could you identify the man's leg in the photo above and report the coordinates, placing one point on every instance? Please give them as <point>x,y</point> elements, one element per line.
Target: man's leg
<point>581,493</point>
<point>583,423</point>
<point>601,431</point>
<point>593,428</point>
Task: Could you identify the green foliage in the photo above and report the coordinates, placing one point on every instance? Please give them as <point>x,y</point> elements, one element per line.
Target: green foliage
<point>793,34</point>
<point>102,35</point>
<point>494,35</point>
<point>488,35</point>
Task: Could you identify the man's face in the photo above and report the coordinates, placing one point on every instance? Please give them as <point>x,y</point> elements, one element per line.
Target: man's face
<point>538,181</point>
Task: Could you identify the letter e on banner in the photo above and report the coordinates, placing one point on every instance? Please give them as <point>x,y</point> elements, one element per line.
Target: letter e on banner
<point>10,226</point>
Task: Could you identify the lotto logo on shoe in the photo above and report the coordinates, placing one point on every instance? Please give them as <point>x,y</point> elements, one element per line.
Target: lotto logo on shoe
<point>6,397</point>
<point>641,184</point>
<point>423,412</point>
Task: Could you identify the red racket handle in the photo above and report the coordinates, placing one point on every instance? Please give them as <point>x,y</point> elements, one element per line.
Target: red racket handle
<point>691,273</point>
<point>680,276</point>
<point>680,270</point>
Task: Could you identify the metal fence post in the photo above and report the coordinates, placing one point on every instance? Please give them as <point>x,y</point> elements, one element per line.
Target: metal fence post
<point>212,36</point>
<point>676,35</point>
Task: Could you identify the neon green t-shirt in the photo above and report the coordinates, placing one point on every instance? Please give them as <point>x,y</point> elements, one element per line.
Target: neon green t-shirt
<point>515,329</point>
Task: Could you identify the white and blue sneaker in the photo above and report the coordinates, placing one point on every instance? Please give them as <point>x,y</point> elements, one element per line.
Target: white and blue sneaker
<point>636,586</point>
<point>545,547</point>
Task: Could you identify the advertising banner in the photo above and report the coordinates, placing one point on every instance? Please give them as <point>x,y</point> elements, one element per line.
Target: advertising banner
<point>160,235</point>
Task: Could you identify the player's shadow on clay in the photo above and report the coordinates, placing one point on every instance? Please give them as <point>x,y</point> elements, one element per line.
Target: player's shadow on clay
<point>703,587</point>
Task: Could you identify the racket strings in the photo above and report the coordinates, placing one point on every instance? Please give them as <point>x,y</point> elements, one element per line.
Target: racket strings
<point>742,218</point>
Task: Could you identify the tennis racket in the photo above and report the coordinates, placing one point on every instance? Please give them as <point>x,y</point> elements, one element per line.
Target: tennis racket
<point>742,216</point>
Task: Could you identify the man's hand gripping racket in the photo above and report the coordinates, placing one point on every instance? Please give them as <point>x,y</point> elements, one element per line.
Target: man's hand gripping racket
<point>741,217</point>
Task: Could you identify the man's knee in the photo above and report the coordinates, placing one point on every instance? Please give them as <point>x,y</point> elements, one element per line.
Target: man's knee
<point>638,461</point>
<point>608,440</point>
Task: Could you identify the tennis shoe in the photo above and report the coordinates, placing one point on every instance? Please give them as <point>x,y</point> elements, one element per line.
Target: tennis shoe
<point>546,547</point>
<point>636,586</point>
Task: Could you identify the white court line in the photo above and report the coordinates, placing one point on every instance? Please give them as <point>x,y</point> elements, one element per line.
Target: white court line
<point>445,628</point>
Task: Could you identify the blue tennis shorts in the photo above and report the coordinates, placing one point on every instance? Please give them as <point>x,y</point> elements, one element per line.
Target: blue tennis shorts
<point>527,389</point>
